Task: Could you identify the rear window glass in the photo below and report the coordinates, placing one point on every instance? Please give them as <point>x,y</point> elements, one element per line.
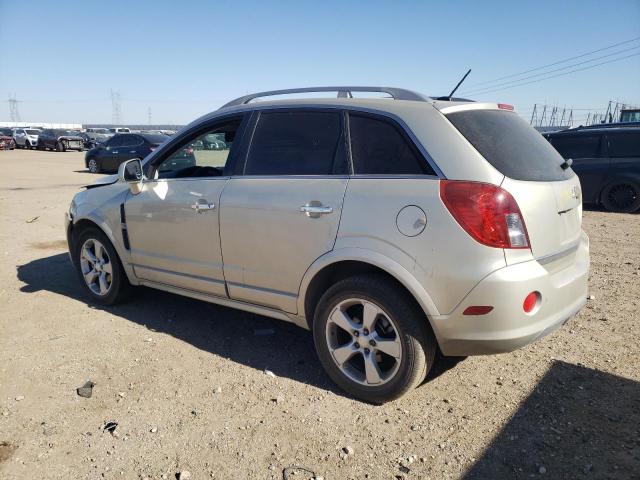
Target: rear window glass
<point>378,148</point>
<point>624,145</point>
<point>578,146</point>
<point>510,144</point>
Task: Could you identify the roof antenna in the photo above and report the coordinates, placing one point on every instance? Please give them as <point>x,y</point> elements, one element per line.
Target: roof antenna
<point>458,85</point>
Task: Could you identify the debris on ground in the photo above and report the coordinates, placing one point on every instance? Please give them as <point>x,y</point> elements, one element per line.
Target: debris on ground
<point>32,219</point>
<point>295,470</point>
<point>110,427</point>
<point>183,475</point>
<point>269,373</point>
<point>86,390</point>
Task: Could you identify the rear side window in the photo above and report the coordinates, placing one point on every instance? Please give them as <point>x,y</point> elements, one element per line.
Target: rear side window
<point>378,147</point>
<point>578,146</point>
<point>297,143</point>
<point>510,144</point>
<point>624,145</point>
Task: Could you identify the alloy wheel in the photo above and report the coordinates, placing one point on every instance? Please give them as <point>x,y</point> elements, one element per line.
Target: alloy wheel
<point>623,196</point>
<point>96,267</point>
<point>363,342</point>
<point>93,165</point>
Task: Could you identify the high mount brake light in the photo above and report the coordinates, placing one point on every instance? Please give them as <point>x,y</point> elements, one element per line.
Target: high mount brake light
<point>505,106</point>
<point>486,212</point>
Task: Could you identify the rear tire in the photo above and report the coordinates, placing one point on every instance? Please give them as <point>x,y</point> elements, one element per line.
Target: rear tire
<point>380,363</point>
<point>60,147</point>
<point>622,196</point>
<point>99,268</point>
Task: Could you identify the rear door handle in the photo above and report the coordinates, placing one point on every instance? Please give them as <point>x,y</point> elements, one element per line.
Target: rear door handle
<point>314,211</point>
<point>202,206</point>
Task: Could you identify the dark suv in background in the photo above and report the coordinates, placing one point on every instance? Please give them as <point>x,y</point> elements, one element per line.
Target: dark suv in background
<point>108,156</point>
<point>606,158</point>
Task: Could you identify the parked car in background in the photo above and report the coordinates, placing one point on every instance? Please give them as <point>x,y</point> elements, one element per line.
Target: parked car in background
<point>59,140</point>
<point>99,135</point>
<point>26,137</point>
<point>606,158</point>
<point>392,229</point>
<point>6,139</point>
<point>87,141</point>
<point>120,130</point>
<point>109,155</point>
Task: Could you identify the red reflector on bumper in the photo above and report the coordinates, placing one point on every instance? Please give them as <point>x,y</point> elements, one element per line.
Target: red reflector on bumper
<point>477,310</point>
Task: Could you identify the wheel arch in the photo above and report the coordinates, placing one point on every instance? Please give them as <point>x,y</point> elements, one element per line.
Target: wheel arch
<point>81,224</point>
<point>340,264</point>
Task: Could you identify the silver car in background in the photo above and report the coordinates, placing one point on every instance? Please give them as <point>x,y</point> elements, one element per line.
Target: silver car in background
<point>390,228</point>
<point>26,137</point>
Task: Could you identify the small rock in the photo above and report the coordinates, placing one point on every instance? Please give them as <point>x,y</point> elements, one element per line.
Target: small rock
<point>184,475</point>
<point>148,339</point>
<point>269,373</point>
<point>318,477</point>
<point>404,469</point>
<point>415,427</point>
<point>19,397</point>
<point>217,390</point>
<point>122,394</point>
<point>348,450</point>
<point>278,400</point>
<point>591,297</point>
<point>86,390</point>
<point>542,470</point>
<point>154,430</point>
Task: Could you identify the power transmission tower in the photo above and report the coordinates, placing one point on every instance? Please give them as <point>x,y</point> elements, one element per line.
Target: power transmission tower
<point>14,114</point>
<point>115,107</point>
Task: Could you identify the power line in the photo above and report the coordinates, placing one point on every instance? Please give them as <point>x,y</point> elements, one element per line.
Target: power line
<point>472,92</point>
<point>556,63</point>
<point>557,75</point>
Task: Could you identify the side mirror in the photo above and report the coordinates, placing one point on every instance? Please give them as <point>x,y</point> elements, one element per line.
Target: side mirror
<point>131,172</point>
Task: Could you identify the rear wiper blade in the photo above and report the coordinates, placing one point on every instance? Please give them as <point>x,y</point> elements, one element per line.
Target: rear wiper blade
<point>566,164</point>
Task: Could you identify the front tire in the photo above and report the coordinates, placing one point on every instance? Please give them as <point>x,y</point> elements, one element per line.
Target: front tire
<point>622,196</point>
<point>372,338</point>
<point>99,268</point>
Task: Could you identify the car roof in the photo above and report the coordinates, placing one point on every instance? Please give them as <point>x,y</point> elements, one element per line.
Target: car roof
<point>593,130</point>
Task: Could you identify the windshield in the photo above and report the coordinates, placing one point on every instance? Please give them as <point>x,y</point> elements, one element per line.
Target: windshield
<point>155,139</point>
<point>6,131</point>
<point>511,145</point>
<point>32,132</point>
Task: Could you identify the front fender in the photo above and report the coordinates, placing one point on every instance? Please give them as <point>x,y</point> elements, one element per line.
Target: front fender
<point>376,259</point>
<point>107,218</point>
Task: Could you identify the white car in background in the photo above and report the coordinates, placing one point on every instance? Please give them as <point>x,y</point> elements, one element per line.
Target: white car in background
<point>26,137</point>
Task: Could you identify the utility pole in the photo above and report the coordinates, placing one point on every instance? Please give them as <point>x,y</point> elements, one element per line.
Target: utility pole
<point>149,115</point>
<point>534,114</point>
<point>14,114</point>
<point>115,107</point>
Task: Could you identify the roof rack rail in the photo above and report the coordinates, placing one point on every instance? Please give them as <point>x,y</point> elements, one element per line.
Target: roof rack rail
<point>343,92</point>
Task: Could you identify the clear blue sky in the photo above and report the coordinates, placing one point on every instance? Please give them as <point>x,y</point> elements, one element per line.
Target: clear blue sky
<point>183,59</point>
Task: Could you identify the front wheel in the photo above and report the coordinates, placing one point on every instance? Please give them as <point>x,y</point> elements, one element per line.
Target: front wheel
<point>372,338</point>
<point>622,196</point>
<point>99,268</point>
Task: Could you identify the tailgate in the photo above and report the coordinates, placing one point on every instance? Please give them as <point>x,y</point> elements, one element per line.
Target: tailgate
<point>552,213</point>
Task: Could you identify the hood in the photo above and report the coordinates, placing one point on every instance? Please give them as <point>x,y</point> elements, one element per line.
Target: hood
<point>106,180</point>
<point>5,137</point>
<point>69,137</point>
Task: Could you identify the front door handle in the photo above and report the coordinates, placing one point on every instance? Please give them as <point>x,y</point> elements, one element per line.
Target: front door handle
<point>114,151</point>
<point>202,206</point>
<point>132,151</point>
<point>315,209</point>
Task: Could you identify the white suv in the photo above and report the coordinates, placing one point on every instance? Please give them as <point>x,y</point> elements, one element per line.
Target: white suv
<point>26,137</point>
<point>388,227</point>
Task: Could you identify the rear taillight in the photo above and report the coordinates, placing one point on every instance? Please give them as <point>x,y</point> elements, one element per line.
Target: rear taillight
<point>486,212</point>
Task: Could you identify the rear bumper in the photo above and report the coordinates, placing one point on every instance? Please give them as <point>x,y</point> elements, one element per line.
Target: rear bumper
<point>562,284</point>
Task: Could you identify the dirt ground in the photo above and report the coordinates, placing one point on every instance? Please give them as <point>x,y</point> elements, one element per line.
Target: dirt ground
<point>185,380</point>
